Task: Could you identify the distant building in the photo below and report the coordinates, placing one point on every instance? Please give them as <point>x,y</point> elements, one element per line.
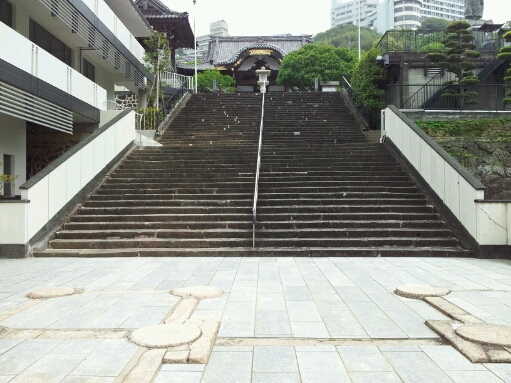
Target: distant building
<point>216,29</point>
<point>347,12</point>
<point>394,14</point>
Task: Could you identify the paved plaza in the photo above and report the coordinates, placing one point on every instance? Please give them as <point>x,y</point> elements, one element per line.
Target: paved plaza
<point>280,319</point>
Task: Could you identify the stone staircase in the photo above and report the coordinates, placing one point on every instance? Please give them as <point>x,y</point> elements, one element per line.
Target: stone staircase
<point>324,190</point>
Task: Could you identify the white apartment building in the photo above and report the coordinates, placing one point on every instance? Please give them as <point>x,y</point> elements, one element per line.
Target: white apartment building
<point>60,61</point>
<point>348,12</point>
<point>394,14</point>
<point>216,29</point>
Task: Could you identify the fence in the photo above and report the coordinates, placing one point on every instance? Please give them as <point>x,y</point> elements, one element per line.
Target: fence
<point>372,118</point>
<point>447,97</point>
<point>488,43</point>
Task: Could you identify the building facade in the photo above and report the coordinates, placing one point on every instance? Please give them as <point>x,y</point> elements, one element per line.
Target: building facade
<point>60,61</point>
<point>394,14</point>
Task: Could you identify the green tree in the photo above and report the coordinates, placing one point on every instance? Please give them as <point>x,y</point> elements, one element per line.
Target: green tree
<point>205,80</point>
<point>157,61</point>
<point>433,24</point>
<point>505,54</point>
<point>458,58</point>
<point>346,36</point>
<point>325,62</point>
<point>367,79</point>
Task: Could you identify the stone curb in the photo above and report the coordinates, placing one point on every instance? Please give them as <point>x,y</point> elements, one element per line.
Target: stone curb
<point>201,348</point>
<point>147,367</point>
<point>182,311</point>
<point>420,291</point>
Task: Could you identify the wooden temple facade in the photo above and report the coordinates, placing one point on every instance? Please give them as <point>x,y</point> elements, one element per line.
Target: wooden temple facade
<point>241,56</point>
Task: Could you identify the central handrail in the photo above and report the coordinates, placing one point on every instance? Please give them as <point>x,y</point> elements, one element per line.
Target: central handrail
<point>256,190</point>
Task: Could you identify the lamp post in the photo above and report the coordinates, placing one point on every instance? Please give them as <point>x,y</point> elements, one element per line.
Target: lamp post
<point>359,11</point>
<point>195,45</point>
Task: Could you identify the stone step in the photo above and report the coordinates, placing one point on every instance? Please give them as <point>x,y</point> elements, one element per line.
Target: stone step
<point>267,225</point>
<point>262,218</point>
<point>163,243</point>
<point>247,233</point>
<point>393,251</point>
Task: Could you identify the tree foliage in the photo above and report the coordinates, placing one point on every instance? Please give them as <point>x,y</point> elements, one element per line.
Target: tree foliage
<point>325,62</point>
<point>224,82</point>
<point>346,36</point>
<point>157,61</point>
<point>505,54</point>
<point>367,78</point>
<point>433,24</point>
<point>458,58</point>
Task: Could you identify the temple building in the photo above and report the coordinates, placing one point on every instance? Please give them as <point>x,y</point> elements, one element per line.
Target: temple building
<point>175,24</point>
<point>241,56</point>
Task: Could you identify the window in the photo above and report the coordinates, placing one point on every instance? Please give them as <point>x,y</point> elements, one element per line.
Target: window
<point>51,44</point>
<point>9,171</point>
<point>6,12</point>
<point>88,70</point>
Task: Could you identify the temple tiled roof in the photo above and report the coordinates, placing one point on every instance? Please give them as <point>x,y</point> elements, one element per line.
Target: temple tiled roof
<point>226,50</point>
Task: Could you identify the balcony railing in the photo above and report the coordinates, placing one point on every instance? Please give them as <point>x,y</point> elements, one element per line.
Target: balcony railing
<point>116,26</point>
<point>27,56</point>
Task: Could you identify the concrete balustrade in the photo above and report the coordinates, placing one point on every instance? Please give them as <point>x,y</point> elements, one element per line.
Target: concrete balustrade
<point>48,197</point>
<point>487,222</point>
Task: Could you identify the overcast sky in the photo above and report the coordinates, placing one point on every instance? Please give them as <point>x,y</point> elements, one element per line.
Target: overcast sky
<point>253,18</point>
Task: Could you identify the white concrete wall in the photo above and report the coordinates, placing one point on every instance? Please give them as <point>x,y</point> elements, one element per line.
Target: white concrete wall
<point>13,137</point>
<point>51,193</point>
<point>488,222</point>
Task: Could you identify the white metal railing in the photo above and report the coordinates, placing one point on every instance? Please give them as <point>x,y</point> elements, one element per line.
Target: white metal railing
<point>488,222</point>
<point>176,80</point>
<point>256,189</point>
<point>29,57</point>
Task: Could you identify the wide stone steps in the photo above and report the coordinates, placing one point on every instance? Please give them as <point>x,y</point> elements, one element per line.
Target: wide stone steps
<point>247,242</point>
<point>323,190</point>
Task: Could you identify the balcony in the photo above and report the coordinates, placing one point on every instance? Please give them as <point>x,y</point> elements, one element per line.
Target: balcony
<point>27,56</point>
<point>116,26</point>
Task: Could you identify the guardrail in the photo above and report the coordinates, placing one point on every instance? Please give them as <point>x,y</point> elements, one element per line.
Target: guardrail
<point>62,184</point>
<point>486,223</point>
<point>487,97</point>
<point>256,189</point>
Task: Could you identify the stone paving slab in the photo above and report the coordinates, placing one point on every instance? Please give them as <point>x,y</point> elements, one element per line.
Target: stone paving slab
<point>280,319</point>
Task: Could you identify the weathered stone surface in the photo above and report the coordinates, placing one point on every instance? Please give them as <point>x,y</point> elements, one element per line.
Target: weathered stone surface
<point>420,291</point>
<point>201,348</point>
<point>164,335</point>
<point>485,333</point>
<point>198,292</point>
<point>176,357</point>
<point>53,293</point>
<point>452,310</point>
<point>146,368</point>
<point>182,311</point>
<point>472,351</point>
<point>499,356</point>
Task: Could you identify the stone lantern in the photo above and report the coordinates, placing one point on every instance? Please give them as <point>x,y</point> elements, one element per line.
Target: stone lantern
<point>263,74</point>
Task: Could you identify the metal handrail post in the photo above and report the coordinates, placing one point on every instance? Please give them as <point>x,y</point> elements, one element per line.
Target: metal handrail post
<point>256,189</point>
